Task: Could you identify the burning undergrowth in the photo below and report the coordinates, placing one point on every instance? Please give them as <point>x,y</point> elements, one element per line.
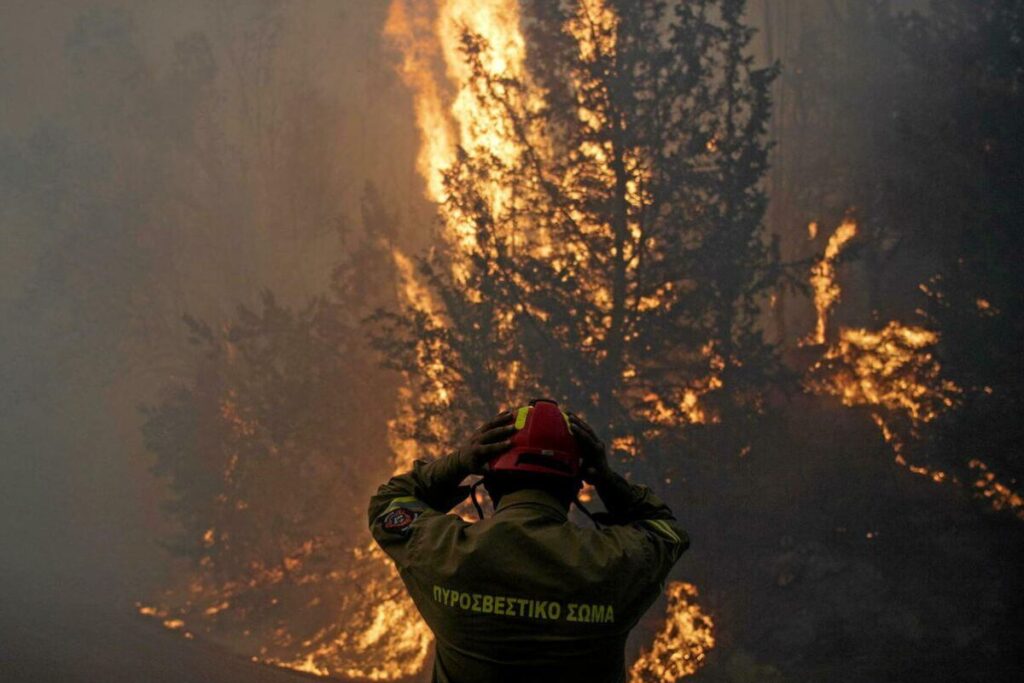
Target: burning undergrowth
<point>274,555</point>
<point>685,622</point>
<point>894,373</point>
<point>571,261</point>
<point>598,241</point>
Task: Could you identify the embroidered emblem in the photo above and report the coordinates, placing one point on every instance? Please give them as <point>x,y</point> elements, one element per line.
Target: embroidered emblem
<point>399,519</point>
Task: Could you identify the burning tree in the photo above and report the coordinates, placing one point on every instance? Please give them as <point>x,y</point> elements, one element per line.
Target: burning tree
<point>935,177</point>
<point>600,243</point>
<point>600,215</point>
<point>968,215</point>
<point>269,452</point>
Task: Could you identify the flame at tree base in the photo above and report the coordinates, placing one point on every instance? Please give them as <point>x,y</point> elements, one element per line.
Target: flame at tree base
<point>681,645</point>
<point>1000,496</point>
<point>387,639</point>
<point>895,373</point>
<point>376,634</point>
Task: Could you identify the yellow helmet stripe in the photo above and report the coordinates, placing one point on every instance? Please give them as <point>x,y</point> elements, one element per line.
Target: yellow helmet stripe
<point>521,417</point>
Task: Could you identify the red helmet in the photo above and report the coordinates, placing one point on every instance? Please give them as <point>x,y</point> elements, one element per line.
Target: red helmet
<point>542,444</point>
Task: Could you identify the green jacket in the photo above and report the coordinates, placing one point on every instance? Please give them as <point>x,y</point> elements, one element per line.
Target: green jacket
<point>525,595</point>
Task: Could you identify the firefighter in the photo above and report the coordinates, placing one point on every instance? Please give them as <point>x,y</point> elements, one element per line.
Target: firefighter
<point>526,595</point>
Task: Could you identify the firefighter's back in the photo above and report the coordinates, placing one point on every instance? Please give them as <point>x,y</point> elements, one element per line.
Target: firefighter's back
<point>527,595</point>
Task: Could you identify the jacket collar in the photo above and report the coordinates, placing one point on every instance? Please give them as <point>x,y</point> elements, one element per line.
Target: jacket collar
<point>532,498</point>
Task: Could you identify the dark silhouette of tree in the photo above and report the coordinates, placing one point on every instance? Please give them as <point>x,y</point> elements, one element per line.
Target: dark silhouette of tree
<point>959,139</point>
<point>611,255</point>
<point>835,104</point>
<point>268,455</point>
<point>909,118</point>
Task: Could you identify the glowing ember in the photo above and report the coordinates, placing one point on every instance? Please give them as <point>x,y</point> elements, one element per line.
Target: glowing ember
<point>681,645</point>
<point>999,495</point>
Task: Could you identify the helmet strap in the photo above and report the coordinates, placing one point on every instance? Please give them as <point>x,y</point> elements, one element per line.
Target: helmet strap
<point>476,503</point>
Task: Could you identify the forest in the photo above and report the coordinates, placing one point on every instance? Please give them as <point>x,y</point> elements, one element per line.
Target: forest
<point>259,256</point>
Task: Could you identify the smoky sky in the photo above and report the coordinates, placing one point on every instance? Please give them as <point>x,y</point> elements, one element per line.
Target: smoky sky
<point>162,158</point>
<point>156,159</point>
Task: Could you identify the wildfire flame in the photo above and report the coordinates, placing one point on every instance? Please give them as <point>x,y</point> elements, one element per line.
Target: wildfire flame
<point>448,112</point>
<point>893,368</point>
<point>682,643</point>
<point>378,636</point>
<point>1000,496</point>
<point>457,109</point>
<point>387,641</point>
<point>451,114</point>
<point>378,633</point>
<point>823,276</point>
<point>893,371</point>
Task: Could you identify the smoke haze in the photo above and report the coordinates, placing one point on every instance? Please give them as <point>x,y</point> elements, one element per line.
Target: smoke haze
<point>158,159</point>
<point>167,159</point>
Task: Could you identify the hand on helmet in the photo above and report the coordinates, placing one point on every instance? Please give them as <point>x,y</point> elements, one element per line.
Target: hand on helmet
<point>592,450</point>
<point>486,443</point>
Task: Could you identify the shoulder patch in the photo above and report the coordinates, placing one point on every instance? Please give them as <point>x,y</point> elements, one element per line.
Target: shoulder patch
<point>398,519</point>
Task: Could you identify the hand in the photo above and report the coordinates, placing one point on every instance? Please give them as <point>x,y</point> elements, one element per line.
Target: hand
<point>486,443</point>
<point>593,451</point>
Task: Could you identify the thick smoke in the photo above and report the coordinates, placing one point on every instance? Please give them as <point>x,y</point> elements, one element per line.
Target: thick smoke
<point>160,159</point>
<point>156,160</point>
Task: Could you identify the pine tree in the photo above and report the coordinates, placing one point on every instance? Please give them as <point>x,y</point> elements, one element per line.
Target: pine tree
<point>264,452</point>
<point>611,255</point>
<point>959,139</point>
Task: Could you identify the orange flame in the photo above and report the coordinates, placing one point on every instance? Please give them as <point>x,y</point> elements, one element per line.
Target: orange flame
<point>448,112</point>
<point>681,645</point>
<point>387,641</point>
<point>823,276</point>
<point>894,371</point>
<point>1000,496</point>
<point>892,368</point>
<point>452,114</point>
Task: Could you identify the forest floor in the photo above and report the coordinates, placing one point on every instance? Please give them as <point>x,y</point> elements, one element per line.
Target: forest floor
<point>64,643</point>
<point>823,560</point>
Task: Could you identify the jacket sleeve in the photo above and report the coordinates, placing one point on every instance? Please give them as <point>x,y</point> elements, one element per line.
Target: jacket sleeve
<point>649,520</point>
<point>407,501</point>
